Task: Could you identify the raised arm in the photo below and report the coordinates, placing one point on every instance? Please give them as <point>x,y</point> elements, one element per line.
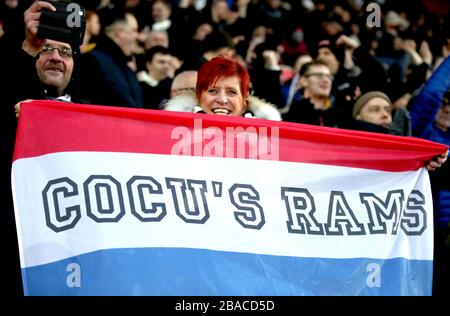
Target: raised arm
<point>425,106</point>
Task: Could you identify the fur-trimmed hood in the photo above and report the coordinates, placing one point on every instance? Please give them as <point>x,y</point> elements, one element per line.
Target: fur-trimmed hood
<point>258,107</point>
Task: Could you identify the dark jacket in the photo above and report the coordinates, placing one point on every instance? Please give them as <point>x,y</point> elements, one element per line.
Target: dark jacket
<point>23,82</point>
<point>303,112</point>
<point>19,81</point>
<point>423,112</point>
<point>401,125</point>
<point>106,78</point>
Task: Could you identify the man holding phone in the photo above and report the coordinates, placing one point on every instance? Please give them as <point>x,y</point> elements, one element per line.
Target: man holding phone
<point>41,69</point>
<point>53,61</point>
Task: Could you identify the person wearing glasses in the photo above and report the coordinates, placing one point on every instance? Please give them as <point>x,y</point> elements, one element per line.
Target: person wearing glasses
<point>354,69</point>
<point>374,112</point>
<point>184,82</point>
<point>48,65</point>
<point>38,69</point>
<point>316,106</point>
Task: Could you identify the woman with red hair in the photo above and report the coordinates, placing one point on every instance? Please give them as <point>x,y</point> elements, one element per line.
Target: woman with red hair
<point>223,88</point>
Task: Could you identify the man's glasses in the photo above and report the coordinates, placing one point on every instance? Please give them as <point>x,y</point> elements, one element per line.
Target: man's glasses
<point>63,52</point>
<point>320,75</point>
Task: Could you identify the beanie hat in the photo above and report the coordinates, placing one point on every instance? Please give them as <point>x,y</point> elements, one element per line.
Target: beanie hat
<point>362,101</point>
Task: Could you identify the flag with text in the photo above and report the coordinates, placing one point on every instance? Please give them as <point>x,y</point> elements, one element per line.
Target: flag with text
<point>118,201</point>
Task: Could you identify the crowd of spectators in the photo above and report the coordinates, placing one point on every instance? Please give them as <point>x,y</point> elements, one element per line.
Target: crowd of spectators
<point>393,49</point>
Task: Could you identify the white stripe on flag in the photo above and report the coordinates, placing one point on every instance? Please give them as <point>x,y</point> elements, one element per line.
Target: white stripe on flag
<point>225,229</point>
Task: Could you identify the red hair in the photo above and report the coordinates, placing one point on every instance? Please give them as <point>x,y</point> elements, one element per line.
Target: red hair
<point>221,67</point>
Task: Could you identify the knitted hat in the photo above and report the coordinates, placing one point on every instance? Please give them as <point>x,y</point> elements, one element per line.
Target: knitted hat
<point>362,101</point>
<point>446,98</point>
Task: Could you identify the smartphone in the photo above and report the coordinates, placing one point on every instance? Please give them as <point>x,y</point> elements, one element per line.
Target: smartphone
<point>67,24</point>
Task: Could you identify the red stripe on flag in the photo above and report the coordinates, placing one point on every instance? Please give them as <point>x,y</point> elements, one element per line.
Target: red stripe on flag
<point>49,127</point>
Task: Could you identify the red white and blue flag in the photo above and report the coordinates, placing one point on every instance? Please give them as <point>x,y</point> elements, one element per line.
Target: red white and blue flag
<point>117,201</point>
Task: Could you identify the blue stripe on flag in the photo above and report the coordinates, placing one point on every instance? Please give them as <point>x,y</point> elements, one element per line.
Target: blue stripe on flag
<point>181,271</point>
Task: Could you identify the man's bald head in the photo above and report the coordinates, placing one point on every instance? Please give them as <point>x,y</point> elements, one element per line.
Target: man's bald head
<point>184,82</point>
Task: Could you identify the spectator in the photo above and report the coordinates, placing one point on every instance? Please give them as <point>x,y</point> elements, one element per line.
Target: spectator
<point>182,85</point>
<point>218,43</point>
<point>155,81</point>
<point>213,45</point>
<point>223,88</point>
<point>92,30</point>
<point>372,112</point>
<point>316,105</point>
<point>40,69</point>
<point>151,39</point>
<point>169,17</point>
<point>220,16</point>
<point>389,50</point>
<point>292,89</point>
<point>294,46</point>
<point>430,114</point>
<point>184,82</point>
<point>11,21</point>
<point>265,71</point>
<point>161,12</point>
<point>275,14</point>
<point>46,65</point>
<point>106,77</point>
<point>354,71</point>
<point>197,45</point>
<point>140,9</point>
<point>401,89</point>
